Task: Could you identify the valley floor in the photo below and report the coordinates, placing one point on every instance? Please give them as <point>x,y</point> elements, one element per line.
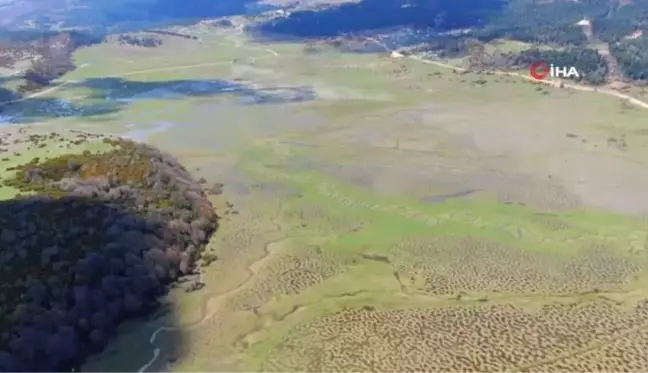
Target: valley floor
<point>378,213</point>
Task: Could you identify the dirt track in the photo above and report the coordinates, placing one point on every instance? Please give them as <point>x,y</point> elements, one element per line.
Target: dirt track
<point>553,83</point>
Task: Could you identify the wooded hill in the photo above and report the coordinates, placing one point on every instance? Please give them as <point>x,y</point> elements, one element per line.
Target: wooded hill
<point>620,24</point>
<point>94,240</point>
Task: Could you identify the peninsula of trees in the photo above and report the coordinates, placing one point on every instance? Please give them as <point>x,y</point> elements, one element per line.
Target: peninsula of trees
<point>92,240</point>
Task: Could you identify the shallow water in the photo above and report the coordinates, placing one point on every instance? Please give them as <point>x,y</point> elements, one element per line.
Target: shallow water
<point>6,120</point>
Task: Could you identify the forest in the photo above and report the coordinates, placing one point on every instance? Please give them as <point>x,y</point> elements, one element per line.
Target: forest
<point>140,41</point>
<point>620,24</point>
<point>49,53</point>
<point>94,240</point>
<point>374,14</point>
<point>554,24</point>
<point>543,22</point>
<point>590,65</point>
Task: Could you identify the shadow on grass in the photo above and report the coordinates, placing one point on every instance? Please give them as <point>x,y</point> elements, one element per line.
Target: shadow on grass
<point>111,95</point>
<point>178,12</point>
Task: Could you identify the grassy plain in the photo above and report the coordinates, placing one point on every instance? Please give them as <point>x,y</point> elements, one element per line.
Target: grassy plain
<point>387,214</point>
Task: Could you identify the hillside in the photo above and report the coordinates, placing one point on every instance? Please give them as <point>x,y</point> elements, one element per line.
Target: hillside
<point>616,33</point>
<point>619,25</point>
<point>92,239</point>
<point>355,186</point>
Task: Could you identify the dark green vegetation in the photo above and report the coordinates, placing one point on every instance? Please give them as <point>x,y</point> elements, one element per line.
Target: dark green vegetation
<point>613,22</point>
<point>633,58</point>
<point>546,22</point>
<point>554,23</point>
<point>589,63</point>
<point>551,23</point>
<point>373,14</point>
<point>96,241</point>
<point>144,41</point>
<point>50,55</point>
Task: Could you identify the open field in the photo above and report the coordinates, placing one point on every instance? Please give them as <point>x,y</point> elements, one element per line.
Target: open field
<point>387,214</point>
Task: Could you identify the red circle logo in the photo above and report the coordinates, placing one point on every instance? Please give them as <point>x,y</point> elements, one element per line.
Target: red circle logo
<point>539,70</point>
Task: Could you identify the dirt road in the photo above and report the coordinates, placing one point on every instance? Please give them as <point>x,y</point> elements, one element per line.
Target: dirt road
<point>553,83</point>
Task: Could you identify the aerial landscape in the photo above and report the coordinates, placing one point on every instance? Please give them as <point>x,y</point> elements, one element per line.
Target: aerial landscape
<point>323,185</point>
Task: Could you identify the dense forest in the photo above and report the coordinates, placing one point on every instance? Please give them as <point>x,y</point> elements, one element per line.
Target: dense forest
<point>372,14</point>
<point>632,56</point>
<point>50,54</point>
<point>589,63</point>
<point>543,22</point>
<point>625,29</point>
<point>140,41</point>
<point>53,59</point>
<point>623,25</point>
<point>95,241</point>
<point>620,24</point>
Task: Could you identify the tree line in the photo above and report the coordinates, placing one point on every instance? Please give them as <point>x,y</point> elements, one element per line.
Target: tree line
<point>622,25</point>
<point>625,29</point>
<point>50,54</point>
<point>591,66</point>
<point>139,41</point>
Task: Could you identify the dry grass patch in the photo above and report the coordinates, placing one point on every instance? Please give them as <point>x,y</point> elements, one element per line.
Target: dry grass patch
<point>291,273</point>
<point>475,338</point>
<point>439,265</point>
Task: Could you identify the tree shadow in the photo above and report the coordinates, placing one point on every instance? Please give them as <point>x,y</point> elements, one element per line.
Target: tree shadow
<point>177,12</point>
<point>76,267</point>
<point>111,95</point>
<point>368,15</point>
